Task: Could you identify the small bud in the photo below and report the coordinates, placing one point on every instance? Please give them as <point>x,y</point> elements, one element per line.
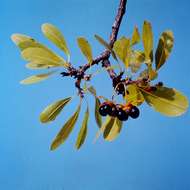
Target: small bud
<point>160,84</point>
<point>87,77</point>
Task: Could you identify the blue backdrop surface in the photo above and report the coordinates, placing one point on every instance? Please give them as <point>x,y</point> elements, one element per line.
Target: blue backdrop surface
<point>151,153</point>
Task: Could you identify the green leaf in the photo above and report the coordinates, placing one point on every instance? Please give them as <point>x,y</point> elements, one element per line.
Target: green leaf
<point>83,131</point>
<point>135,37</point>
<point>122,50</point>
<point>112,130</point>
<point>106,45</point>
<point>164,48</point>
<point>167,101</point>
<point>149,73</point>
<point>53,110</point>
<point>19,38</point>
<point>23,42</point>
<point>152,73</point>
<point>134,95</point>
<point>42,56</point>
<point>108,123</point>
<point>136,59</point>
<point>66,130</point>
<point>85,48</point>
<point>92,90</point>
<point>98,117</point>
<point>37,78</point>
<point>147,38</point>
<point>55,36</point>
<point>33,65</point>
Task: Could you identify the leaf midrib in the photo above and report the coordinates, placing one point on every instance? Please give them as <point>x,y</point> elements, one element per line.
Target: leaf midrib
<point>164,100</point>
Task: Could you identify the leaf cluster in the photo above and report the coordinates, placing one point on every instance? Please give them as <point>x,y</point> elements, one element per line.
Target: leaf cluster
<point>144,63</point>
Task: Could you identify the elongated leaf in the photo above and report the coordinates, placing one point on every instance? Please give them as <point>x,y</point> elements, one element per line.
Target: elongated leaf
<point>167,101</point>
<point>108,123</point>
<point>149,73</point>
<point>23,42</point>
<point>106,45</point>
<point>66,130</point>
<point>134,95</point>
<point>122,50</point>
<point>136,37</point>
<point>54,35</point>
<point>41,56</point>
<point>152,73</point>
<point>112,130</point>
<point>147,38</point>
<point>19,38</point>
<point>83,131</point>
<point>92,90</point>
<point>136,59</point>
<point>164,48</point>
<point>33,65</point>
<point>53,110</point>
<point>85,48</point>
<point>98,117</point>
<point>37,78</point>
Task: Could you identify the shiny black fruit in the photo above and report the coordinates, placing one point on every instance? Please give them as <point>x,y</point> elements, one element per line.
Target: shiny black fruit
<point>134,112</point>
<point>104,109</point>
<point>120,89</point>
<point>160,84</point>
<point>121,114</point>
<point>112,111</point>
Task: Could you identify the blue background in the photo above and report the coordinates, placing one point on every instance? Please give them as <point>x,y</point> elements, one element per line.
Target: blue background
<point>151,153</point>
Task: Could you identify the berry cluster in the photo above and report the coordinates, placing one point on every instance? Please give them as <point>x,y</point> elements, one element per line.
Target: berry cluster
<point>122,112</point>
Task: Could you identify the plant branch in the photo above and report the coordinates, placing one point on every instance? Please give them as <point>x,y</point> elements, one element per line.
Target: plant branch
<point>79,74</point>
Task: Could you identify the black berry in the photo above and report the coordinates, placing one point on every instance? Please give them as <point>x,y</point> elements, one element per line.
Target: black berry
<point>134,112</point>
<point>160,84</point>
<point>104,109</point>
<point>120,89</point>
<point>112,111</point>
<point>121,114</point>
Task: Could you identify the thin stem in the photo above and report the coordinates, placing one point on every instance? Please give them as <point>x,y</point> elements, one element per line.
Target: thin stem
<point>79,74</point>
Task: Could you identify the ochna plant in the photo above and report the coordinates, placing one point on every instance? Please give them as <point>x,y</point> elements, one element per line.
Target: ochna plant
<point>138,68</point>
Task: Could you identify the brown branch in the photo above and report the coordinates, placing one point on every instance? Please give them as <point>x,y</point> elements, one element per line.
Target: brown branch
<point>79,74</point>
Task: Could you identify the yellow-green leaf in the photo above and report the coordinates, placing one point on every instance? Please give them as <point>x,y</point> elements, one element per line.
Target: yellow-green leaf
<point>83,131</point>
<point>152,73</point>
<point>66,130</point>
<point>147,38</point>
<point>42,56</point>
<point>135,37</point>
<point>111,131</point>
<point>149,73</point>
<point>85,48</point>
<point>167,101</point>
<point>92,90</point>
<point>53,110</point>
<point>23,42</point>
<point>108,123</point>
<point>136,59</point>
<point>106,45</point>
<point>37,78</point>
<point>33,65</point>
<point>19,38</point>
<point>164,48</point>
<point>134,95</point>
<point>98,117</point>
<point>54,35</point>
<point>122,49</point>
